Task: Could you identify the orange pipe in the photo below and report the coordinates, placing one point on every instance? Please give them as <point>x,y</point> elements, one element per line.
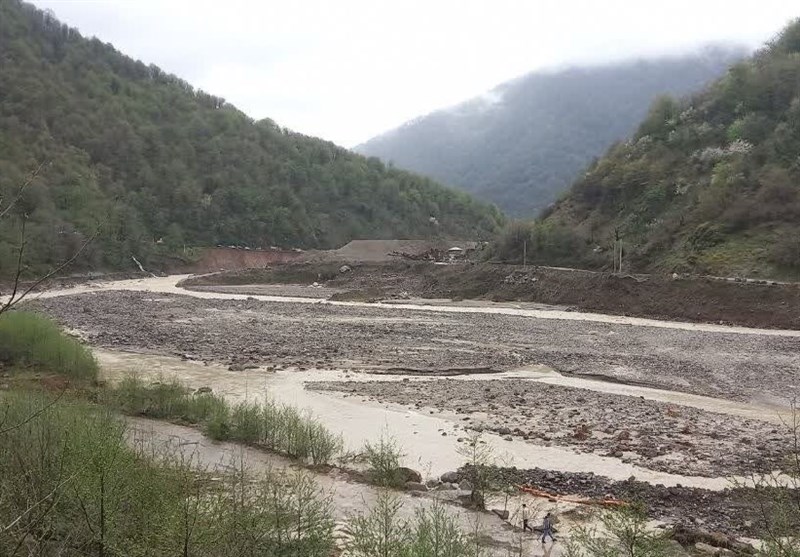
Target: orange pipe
<point>579,500</point>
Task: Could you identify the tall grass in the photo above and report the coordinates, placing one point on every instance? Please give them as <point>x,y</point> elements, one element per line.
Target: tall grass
<point>31,340</point>
<point>71,485</point>
<point>273,426</point>
<point>169,400</point>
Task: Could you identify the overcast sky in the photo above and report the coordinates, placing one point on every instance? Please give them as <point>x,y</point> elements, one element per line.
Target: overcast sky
<point>346,70</point>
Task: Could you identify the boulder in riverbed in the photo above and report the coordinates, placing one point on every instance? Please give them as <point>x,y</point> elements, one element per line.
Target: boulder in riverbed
<point>450,477</point>
<point>408,475</point>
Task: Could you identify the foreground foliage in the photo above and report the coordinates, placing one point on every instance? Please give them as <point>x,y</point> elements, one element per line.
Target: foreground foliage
<point>153,159</point>
<point>709,183</point>
<point>276,427</point>
<point>624,533</point>
<point>71,485</point>
<point>31,340</point>
<point>383,531</point>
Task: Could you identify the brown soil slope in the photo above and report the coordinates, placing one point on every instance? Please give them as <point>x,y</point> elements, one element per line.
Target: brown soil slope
<point>690,299</point>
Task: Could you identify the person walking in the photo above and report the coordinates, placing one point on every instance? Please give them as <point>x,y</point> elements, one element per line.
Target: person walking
<point>547,528</point>
<point>525,517</point>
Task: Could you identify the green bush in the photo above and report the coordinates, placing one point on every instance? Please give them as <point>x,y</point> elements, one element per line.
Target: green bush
<point>31,340</point>
<point>277,427</point>
<point>70,484</point>
<point>432,532</point>
<point>384,461</point>
<point>165,400</point>
<point>624,533</point>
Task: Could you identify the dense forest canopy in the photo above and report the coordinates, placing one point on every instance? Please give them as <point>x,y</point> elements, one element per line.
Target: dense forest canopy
<point>710,183</point>
<point>150,158</point>
<point>528,140</point>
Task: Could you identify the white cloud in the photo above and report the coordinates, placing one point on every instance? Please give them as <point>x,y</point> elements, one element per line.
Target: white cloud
<point>350,69</point>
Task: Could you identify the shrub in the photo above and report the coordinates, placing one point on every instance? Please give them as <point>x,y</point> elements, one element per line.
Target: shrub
<point>624,533</point>
<point>384,461</point>
<point>277,427</point>
<point>165,400</point>
<point>432,532</point>
<point>246,423</point>
<point>31,340</point>
<point>71,483</point>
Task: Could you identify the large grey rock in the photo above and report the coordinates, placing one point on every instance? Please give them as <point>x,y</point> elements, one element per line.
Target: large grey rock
<point>408,475</point>
<point>416,486</point>
<point>450,477</point>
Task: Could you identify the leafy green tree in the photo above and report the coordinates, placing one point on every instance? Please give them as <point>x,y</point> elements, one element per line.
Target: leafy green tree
<point>149,156</point>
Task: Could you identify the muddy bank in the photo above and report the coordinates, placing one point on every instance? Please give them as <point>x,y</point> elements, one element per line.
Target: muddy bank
<point>347,497</point>
<point>752,304</point>
<point>665,437</point>
<point>245,332</point>
<point>432,441</point>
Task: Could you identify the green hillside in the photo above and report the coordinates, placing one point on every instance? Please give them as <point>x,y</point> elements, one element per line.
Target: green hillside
<point>151,158</point>
<point>708,184</point>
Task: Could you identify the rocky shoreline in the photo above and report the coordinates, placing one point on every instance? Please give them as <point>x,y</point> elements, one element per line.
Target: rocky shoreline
<point>650,434</point>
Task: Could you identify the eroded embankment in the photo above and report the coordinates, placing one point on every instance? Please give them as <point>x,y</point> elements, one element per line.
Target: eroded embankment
<point>696,299</point>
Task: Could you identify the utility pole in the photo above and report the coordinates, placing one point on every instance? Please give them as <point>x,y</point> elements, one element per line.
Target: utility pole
<point>525,253</point>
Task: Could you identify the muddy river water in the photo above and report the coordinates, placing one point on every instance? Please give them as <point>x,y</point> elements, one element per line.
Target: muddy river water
<point>430,438</point>
<point>421,434</point>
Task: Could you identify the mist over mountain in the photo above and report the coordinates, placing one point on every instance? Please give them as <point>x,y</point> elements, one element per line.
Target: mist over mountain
<point>523,143</point>
<point>709,183</point>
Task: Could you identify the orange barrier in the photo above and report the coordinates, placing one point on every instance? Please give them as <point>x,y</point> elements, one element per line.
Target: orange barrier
<point>606,502</point>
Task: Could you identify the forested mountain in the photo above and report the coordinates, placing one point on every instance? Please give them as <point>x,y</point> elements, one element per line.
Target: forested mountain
<point>526,141</point>
<point>710,183</point>
<point>151,158</point>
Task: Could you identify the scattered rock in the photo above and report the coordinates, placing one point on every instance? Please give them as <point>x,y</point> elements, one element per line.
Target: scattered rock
<point>501,513</point>
<point>707,549</point>
<point>416,486</point>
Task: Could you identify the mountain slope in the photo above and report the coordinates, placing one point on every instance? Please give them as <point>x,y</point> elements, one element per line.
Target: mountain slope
<point>710,183</point>
<point>527,141</point>
<point>152,158</point>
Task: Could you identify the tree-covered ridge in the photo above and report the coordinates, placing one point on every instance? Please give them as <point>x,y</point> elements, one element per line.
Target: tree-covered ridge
<point>150,157</point>
<point>710,183</point>
<point>527,141</point>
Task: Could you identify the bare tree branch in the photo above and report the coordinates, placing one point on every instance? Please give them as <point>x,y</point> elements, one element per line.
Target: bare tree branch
<point>14,299</point>
<point>22,189</point>
<point>33,416</point>
<point>20,256</point>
